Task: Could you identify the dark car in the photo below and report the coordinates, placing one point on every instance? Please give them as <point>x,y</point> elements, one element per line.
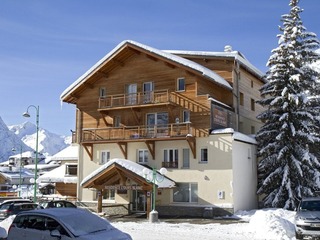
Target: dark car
<point>64,224</point>
<point>307,218</point>
<point>57,204</point>
<point>15,208</point>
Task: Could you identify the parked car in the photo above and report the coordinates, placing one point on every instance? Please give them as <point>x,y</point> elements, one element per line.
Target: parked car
<point>15,208</point>
<point>64,224</point>
<point>56,204</point>
<point>6,203</point>
<point>307,218</point>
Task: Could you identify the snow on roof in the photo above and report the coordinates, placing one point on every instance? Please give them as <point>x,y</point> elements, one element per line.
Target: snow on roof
<point>58,175</point>
<point>42,166</point>
<point>185,62</point>
<point>133,167</point>
<point>14,172</point>
<point>69,153</point>
<point>236,135</point>
<point>233,54</point>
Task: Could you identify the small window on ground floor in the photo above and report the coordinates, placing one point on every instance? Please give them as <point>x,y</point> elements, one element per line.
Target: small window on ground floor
<point>143,155</point>
<point>105,157</point>
<point>186,193</point>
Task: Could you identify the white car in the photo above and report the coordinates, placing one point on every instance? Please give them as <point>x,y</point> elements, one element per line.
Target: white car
<point>307,218</point>
<point>63,224</point>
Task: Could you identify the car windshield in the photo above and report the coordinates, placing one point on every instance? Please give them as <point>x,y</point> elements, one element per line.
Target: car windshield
<point>88,221</point>
<point>310,205</point>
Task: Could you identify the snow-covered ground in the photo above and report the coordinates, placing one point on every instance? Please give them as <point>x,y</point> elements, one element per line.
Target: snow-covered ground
<point>267,224</point>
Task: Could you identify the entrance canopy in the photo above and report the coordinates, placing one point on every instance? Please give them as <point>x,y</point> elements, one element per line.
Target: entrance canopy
<point>119,171</point>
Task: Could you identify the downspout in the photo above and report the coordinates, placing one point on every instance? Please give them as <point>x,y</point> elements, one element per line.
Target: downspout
<point>237,94</point>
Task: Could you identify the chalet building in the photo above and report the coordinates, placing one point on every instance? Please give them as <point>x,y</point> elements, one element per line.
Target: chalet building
<point>191,112</point>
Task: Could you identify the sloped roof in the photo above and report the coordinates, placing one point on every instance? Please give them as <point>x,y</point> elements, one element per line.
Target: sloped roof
<point>69,153</point>
<point>58,175</point>
<point>131,166</point>
<point>228,54</point>
<point>205,72</point>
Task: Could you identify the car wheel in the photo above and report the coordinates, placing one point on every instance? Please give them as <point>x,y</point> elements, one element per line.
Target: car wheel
<point>299,236</point>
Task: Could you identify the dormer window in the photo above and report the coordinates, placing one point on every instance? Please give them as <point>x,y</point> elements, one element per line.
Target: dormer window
<point>181,85</point>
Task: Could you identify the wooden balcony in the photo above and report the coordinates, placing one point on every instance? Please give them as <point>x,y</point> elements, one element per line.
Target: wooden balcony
<point>136,133</point>
<point>134,99</point>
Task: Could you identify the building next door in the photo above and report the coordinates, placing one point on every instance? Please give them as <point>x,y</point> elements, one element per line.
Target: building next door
<point>139,201</point>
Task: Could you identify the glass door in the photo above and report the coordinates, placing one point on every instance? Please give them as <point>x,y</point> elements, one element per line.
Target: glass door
<point>147,92</point>
<point>139,202</point>
<point>131,94</point>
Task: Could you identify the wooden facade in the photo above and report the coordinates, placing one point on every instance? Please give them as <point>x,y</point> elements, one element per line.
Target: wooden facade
<point>140,95</point>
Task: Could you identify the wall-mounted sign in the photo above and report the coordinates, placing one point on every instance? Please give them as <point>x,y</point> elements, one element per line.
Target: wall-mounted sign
<point>122,187</point>
<point>220,117</point>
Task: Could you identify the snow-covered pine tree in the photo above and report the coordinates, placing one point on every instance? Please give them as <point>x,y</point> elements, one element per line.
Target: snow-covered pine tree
<point>288,168</point>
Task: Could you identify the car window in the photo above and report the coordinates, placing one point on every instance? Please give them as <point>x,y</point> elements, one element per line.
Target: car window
<point>69,204</point>
<point>40,223</point>
<point>310,205</point>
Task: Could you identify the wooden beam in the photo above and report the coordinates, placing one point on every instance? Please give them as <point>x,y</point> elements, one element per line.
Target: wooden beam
<point>102,74</point>
<point>88,85</point>
<point>89,150</point>
<point>124,148</point>
<point>118,62</point>
<point>152,58</point>
<point>169,65</point>
<point>192,144</point>
<point>151,146</point>
<point>135,114</point>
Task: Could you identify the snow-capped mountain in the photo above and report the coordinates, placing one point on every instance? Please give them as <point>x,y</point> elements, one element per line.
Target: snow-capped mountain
<point>24,136</point>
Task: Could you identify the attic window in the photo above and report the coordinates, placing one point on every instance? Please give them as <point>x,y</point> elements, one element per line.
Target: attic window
<point>71,170</point>
<point>102,92</point>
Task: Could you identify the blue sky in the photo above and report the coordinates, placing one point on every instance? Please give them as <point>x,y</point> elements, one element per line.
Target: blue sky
<point>45,45</point>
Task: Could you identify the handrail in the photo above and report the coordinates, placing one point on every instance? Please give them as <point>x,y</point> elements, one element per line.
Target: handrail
<point>139,98</point>
<point>137,132</point>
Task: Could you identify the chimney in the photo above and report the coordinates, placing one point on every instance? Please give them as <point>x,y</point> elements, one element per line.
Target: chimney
<point>228,48</point>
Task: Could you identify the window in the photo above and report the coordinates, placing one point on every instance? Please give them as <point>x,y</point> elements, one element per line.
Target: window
<point>116,121</point>
<point>102,92</point>
<point>186,116</point>
<point>181,84</point>
<point>105,157</point>
<point>147,92</point>
<point>241,99</point>
<point>71,169</point>
<point>109,194</point>
<point>252,104</point>
<point>157,124</point>
<point>131,90</point>
<point>186,158</point>
<point>170,158</point>
<point>143,156</point>
<point>253,130</point>
<point>251,84</point>
<point>186,193</point>
<point>204,155</point>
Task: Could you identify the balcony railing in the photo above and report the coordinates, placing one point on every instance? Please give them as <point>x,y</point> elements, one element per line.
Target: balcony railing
<point>139,98</point>
<point>170,164</point>
<point>137,132</point>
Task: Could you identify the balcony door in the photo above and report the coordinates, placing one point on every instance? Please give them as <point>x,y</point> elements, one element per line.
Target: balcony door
<point>131,94</point>
<point>148,92</point>
<point>157,124</point>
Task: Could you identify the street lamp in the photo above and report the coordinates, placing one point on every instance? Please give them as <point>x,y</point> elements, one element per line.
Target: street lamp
<point>13,150</point>
<point>26,114</point>
<point>152,177</point>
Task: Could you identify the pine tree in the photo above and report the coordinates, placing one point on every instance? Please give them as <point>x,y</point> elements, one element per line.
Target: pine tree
<point>289,168</point>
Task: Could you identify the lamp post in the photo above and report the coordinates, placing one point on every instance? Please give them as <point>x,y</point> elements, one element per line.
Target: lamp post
<point>26,114</point>
<point>152,177</point>
<point>13,150</point>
